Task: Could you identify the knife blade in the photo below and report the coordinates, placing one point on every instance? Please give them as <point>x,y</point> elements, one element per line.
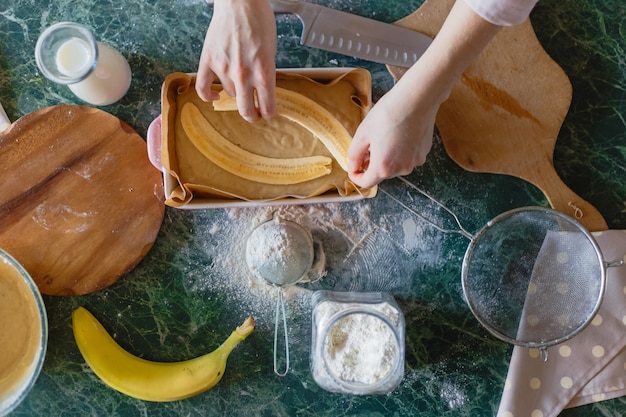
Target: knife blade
<point>357,36</point>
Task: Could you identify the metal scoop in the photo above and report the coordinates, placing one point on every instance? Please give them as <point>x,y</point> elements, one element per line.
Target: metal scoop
<point>280,252</point>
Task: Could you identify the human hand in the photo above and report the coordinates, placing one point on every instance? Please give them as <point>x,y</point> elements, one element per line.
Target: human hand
<point>394,138</point>
<point>239,49</point>
<point>396,135</point>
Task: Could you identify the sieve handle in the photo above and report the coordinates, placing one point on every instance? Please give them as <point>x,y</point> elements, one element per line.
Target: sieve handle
<point>280,309</point>
<point>461,230</point>
<point>615,264</point>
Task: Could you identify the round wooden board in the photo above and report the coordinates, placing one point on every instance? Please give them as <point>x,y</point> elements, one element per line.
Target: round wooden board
<point>80,204</point>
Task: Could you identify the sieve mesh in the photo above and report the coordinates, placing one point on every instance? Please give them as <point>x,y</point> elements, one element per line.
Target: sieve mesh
<point>533,277</point>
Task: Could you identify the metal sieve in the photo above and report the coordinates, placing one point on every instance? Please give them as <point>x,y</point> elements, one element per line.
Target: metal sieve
<point>280,252</point>
<point>531,276</point>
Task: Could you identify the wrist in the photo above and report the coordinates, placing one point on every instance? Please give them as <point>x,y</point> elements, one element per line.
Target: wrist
<point>460,40</point>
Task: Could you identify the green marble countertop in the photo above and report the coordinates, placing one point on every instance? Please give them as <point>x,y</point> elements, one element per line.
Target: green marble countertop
<point>188,294</point>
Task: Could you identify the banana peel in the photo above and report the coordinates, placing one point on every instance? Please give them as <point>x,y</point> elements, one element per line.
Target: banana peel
<point>149,380</point>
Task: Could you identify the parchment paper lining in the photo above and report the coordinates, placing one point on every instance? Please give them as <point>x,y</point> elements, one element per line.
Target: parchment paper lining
<point>198,177</point>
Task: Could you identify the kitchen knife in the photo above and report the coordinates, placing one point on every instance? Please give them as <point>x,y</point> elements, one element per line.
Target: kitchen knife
<point>337,31</point>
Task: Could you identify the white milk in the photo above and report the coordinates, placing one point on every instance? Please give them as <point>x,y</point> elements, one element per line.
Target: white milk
<point>74,58</point>
<point>106,84</point>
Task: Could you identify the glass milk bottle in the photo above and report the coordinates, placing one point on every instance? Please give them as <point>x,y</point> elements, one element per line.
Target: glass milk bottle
<point>68,53</point>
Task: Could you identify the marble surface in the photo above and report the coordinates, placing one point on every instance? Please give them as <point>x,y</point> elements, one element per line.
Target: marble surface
<point>189,292</point>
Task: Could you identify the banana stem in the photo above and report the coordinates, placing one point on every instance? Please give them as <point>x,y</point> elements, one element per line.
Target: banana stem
<point>237,336</point>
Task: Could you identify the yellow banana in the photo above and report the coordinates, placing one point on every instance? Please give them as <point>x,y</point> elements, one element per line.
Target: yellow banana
<point>308,114</point>
<point>147,380</point>
<point>242,163</point>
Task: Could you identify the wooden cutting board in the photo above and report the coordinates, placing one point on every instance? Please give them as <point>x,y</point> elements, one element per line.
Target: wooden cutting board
<point>80,204</point>
<point>506,112</point>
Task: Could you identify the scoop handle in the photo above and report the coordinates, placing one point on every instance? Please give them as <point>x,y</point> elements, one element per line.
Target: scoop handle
<point>280,310</point>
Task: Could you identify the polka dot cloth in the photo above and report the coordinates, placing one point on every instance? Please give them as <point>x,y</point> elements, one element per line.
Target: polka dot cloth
<point>588,368</point>
<point>564,288</point>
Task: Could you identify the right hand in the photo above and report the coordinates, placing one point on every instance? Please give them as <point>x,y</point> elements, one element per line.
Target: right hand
<point>239,49</point>
<point>397,134</point>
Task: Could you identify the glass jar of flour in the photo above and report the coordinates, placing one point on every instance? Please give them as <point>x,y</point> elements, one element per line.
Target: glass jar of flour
<point>357,344</point>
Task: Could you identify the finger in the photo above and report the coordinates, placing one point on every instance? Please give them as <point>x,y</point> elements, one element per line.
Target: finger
<point>265,86</point>
<point>358,154</point>
<point>229,87</point>
<point>365,179</point>
<point>266,95</point>
<point>359,164</point>
<point>246,105</point>
<point>204,81</point>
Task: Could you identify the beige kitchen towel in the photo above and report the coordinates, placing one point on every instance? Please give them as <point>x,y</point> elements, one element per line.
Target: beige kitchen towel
<point>589,367</point>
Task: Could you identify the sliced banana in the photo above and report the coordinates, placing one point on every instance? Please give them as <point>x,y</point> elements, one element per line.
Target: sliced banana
<point>230,157</point>
<point>309,114</point>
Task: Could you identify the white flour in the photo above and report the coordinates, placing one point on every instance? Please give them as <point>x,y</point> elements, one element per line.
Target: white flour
<point>280,252</point>
<point>359,348</point>
<point>223,238</point>
<point>348,243</point>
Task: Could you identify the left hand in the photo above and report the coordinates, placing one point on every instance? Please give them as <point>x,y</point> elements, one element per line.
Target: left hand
<point>239,49</point>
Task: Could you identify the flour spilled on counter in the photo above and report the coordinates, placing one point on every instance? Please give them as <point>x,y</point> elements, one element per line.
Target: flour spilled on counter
<point>224,242</point>
<point>355,250</point>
